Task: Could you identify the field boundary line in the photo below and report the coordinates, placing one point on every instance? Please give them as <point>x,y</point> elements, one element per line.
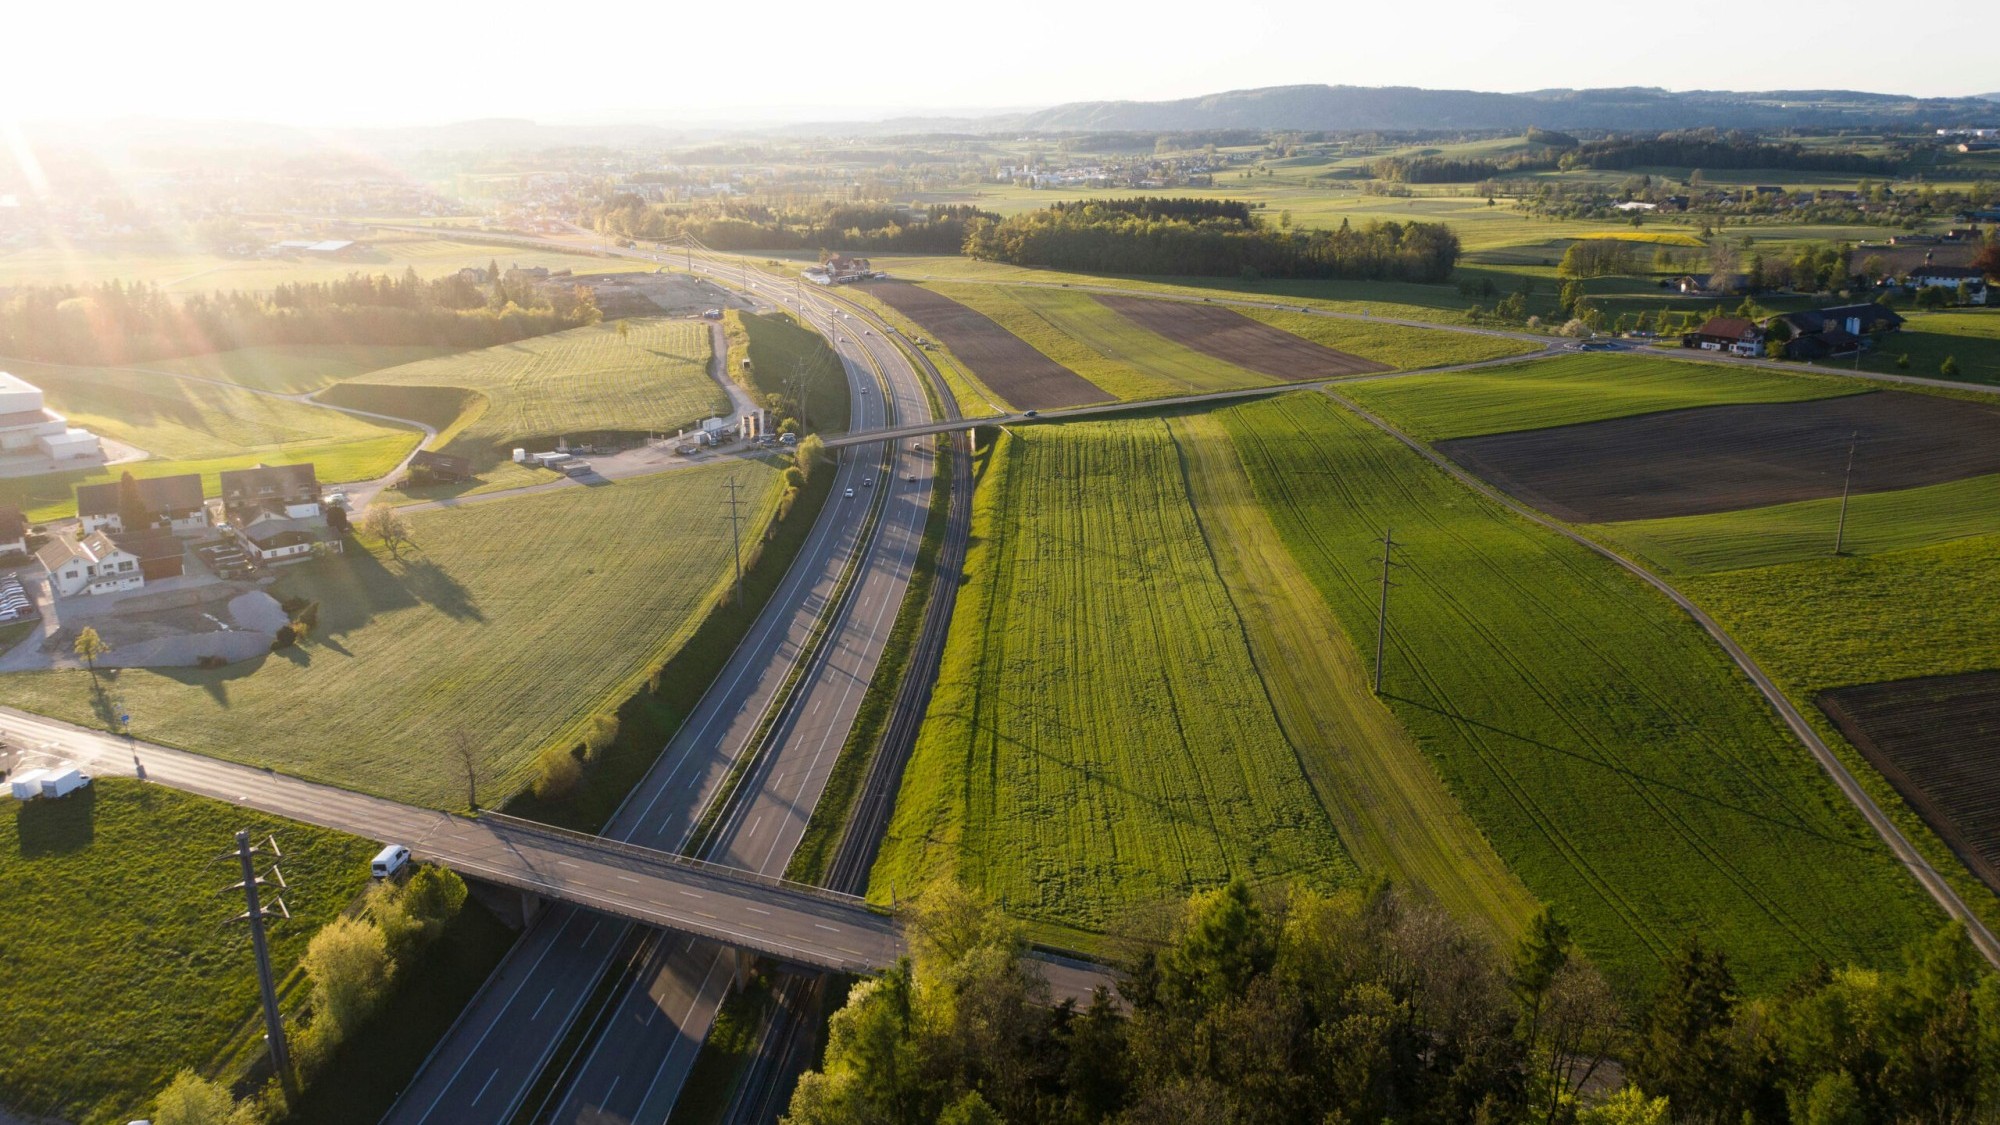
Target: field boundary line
<point>1927,876</point>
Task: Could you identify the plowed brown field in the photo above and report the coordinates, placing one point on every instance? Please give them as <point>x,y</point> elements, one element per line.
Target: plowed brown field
<point>1229,335</point>
<point>1007,364</point>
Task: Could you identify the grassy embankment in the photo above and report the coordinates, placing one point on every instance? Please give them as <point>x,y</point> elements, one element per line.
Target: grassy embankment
<point>120,963</point>
<point>782,352</point>
<point>514,620</point>
<point>1098,740</point>
<point>197,427</point>
<point>1621,766</point>
<point>576,384</point>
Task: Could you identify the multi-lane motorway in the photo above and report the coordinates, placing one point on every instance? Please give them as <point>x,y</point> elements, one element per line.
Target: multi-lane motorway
<point>632,1066</point>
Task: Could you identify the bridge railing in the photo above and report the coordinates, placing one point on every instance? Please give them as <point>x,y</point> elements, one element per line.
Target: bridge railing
<point>670,859</point>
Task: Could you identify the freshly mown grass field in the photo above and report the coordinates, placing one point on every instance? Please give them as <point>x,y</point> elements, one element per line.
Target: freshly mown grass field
<point>574,383</point>
<point>117,955</point>
<point>1617,761</point>
<point>514,620</point>
<point>1397,345</point>
<point>1877,523</point>
<point>1099,740</point>
<point>1082,334</point>
<point>1575,388</point>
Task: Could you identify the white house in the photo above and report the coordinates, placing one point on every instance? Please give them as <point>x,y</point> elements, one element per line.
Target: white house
<point>173,503</point>
<point>34,438</point>
<point>1951,277</point>
<point>275,512</point>
<point>89,564</point>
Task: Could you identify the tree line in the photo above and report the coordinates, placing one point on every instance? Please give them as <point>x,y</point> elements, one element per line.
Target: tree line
<point>937,229</point>
<point>1366,1005</point>
<point>120,322</point>
<point>1704,149</point>
<point>1455,170</point>
<point>1213,238</point>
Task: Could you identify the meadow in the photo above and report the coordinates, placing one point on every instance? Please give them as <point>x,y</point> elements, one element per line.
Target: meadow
<point>780,349</point>
<point>1398,345</point>
<point>297,368</point>
<point>1619,764</point>
<point>52,496</point>
<point>1575,388</point>
<point>1877,523</point>
<point>183,269</point>
<point>514,620</point>
<point>121,964</point>
<point>1970,338</point>
<point>1099,740</point>
<point>574,383</point>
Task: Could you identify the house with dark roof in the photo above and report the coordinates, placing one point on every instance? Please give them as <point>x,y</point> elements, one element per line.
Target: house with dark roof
<point>159,551</point>
<point>269,492</point>
<point>172,503</point>
<point>427,467</point>
<point>13,531</point>
<point>1732,334</point>
<point>1840,330</point>
<point>278,541</point>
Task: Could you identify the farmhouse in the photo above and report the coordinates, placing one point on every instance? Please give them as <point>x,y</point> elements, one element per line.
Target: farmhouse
<point>35,439</point>
<point>13,531</point>
<point>1732,334</point>
<point>427,467</point>
<point>1841,330</point>
<point>1951,277</point>
<point>275,512</point>
<point>89,564</point>
<point>173,503</point>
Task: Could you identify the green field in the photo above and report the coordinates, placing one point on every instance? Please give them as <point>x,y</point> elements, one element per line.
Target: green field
<point>574,383</point>
<point>514,620</point>
<point>1087,337</point>
<point>117,954</point>
<point>186,419</point>
<point>1575,388</point>
<point>781,351</point>
<point>293,369</point>
<point>1972,338</point>
<point>182,270</point>
<point>52,496</point>
<point>1397,345</point>
<point>1099,739</point>
<point>1623,768</point>
<point>1877,523</point>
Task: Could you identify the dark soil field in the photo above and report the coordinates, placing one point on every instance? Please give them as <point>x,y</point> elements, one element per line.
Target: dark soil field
<point>1229,335</point>
<point>1937,740</point>
<point>1015,371</point>
<point>1722,458</point>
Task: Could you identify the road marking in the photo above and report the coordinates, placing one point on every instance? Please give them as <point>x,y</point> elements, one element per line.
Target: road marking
<point>705,914</point>
<point>827,928</point>
<point>607,1090</point>
<point>567,863</point>
<point>628,878</point>
<point>693,894</point>
<point>593,931</point>
<point>543,1004</point>
<point>756,910</point>
<point>483,1085</point>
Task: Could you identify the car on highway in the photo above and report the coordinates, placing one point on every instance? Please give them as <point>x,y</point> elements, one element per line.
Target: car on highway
<point>1031,414</point>
<point>868,482</point>
<point>911,477</point>
<point>850,494</point>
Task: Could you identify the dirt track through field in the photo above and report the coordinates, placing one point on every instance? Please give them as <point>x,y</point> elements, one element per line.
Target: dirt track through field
<point>1007,364</point>
<point>1723,458</point>
<point>1935,739</point>
<point>1229,335</point>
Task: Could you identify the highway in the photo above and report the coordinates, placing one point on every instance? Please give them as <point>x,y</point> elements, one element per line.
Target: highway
<point>489,1064</point>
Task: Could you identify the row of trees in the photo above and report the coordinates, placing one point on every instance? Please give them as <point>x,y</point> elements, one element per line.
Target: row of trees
<point>1706,149</point>
<point>1363,1005</point>
<point>1455,170</point>
<point>117,322</point>
<point>939,229</point>
<point>1118,236</point>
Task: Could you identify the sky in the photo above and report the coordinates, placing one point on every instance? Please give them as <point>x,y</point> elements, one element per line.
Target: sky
<point>373,63</point>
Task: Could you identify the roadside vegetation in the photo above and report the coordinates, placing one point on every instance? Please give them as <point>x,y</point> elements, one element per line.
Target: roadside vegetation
<point>516,621</point>
<point>1616,760</point>
<point>122,965</point>
<point>791,370</point>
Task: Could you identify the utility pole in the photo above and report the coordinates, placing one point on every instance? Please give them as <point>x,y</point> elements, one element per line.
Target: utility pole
<point>735,542</point>
<point>1846,486</point>
<point>256,912</point>
<point>1382,607</point>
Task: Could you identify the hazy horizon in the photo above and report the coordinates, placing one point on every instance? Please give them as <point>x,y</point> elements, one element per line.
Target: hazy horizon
<point>795,63</point>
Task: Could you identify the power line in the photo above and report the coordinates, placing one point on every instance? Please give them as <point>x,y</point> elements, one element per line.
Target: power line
<point>1846,486</point>
<point>1389,546</point>
<point>735,539</point>
<point>255,913</point>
